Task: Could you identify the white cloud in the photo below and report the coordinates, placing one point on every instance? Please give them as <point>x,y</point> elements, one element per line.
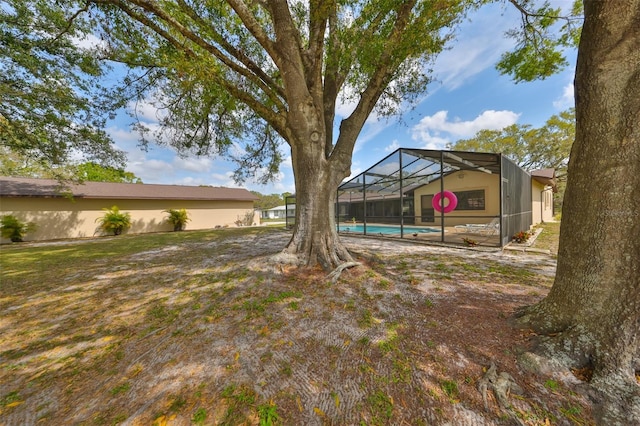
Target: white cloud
<point>146,110</point>
<point>287,162</point>
<point>190,181</point>
<point>479,44</point>
<point>89,42</point>
<point>434,142</point>
<point>124,139</point>
<point>370,131</point>
<point>151,171</point>
<point>437,130</point>
<point>468,58</point>
<point>193,164</point>
<point>221,179</point>
<point>393,146</point>
<point>567,99</point>
<point>489,119</point>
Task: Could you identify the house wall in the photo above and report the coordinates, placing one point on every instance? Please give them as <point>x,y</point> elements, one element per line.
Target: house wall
<point>463,181</point>
<point>64,218</point>
<point>541,202</point>
<point>275,213</point>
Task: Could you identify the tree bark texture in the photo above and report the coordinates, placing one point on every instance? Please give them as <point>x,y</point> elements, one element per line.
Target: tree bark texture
<point>315,238</point>
<point>594,303</point>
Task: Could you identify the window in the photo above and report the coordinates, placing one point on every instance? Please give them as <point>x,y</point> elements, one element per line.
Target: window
<point>470,200</point>
<point>547,199</point>
<point>427,211</point>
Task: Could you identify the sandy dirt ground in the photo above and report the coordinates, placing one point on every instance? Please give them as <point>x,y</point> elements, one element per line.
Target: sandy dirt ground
<point>211,332</point>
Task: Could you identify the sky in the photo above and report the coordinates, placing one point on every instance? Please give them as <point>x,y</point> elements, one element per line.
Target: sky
<point>467,95</point>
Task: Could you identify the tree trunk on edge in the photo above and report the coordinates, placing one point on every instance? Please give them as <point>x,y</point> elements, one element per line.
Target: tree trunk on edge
<point>593,308</point>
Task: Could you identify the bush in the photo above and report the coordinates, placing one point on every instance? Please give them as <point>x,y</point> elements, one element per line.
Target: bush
<point>13,228</point>
<point>114,221</point>
<point>522,237</point>
<point>469,242</point>
<point>247,220</point>
<point>177,218</point>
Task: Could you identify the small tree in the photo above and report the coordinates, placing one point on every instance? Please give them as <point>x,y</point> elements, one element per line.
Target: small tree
<point>177,218</point>
<point>246,219</point>
<point>13,228</point>
<point>114,221</point>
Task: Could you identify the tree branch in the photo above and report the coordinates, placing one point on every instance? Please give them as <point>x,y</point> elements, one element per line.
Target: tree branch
<point>274,118</point>
<point>254,27</point>
<point>236,53</point>
<point>383,73</point>
<point>70,22</point>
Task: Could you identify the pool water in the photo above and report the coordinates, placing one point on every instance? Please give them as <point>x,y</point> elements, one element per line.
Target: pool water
<point>382,229</point>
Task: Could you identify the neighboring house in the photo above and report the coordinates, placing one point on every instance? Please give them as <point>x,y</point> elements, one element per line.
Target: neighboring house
<point>279,212</point>
<point>73,213</point>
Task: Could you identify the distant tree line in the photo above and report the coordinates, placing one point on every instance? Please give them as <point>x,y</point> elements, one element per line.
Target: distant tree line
<point>266,202</point>
<point>531,148</point>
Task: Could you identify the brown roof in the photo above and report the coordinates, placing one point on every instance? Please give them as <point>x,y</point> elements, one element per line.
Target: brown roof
<point>23,187</point>
<point>546,177</point>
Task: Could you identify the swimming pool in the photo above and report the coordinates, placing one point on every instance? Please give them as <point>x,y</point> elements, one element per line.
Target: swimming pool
<point>384,229</point>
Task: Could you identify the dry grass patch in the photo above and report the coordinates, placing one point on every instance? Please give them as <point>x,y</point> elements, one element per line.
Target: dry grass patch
<point>200,328</point>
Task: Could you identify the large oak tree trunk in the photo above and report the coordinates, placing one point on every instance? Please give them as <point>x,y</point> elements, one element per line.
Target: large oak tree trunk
<point>593,309</point>
<point>315,238</point>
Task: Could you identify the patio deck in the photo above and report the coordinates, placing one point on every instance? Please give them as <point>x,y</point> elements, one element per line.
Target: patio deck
<point>452,235</point>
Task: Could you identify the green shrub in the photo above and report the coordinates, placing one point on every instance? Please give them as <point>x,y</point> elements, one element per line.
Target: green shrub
<point>114,221</point>
<point>177,218</point>
<point>13,228</point>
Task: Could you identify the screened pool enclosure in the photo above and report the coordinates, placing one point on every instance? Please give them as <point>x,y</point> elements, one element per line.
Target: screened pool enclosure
<point>443,196</point>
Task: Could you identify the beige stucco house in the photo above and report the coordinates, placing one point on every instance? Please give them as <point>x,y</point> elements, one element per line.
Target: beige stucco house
<point>478,195</point>
<point>73,214</point>
<point>543,186</point>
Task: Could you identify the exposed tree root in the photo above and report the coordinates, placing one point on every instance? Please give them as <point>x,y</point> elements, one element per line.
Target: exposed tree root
<point>335,274</point>
<point>501,384</point>
<point>286,258</point>
<point>616,397</point>
<point>617,401</point>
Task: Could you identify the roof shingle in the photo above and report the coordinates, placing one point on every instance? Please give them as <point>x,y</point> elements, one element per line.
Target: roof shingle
<point>47,188</point>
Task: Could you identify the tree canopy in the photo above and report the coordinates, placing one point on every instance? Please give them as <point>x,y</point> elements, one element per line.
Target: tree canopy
<point>266,202</point>
<point>541,37</point>
<point>16,164</point>
<point>532,148</point>
<point>94,172</point>
<point>52,102</point>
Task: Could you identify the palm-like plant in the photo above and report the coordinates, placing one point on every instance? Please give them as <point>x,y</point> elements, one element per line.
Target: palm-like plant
<point>13,228</point>
<point>114,221</point>
<point>178,218</point>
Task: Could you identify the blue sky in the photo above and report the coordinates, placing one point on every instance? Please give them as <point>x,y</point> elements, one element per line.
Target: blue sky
<point>468,95</point>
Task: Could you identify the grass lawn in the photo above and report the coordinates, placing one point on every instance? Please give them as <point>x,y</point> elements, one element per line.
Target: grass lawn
<point>200,328</point>
<point>548,238</point>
